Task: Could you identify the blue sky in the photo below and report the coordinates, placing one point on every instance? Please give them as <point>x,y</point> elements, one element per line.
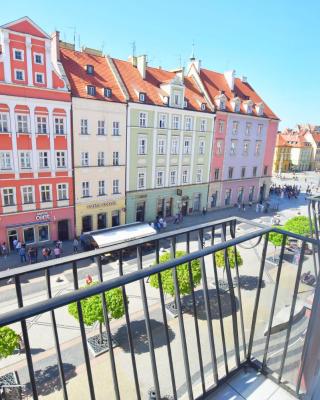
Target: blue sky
<point>274,43</point>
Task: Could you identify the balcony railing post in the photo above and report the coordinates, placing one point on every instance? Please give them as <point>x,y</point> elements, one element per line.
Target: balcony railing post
<point>313,222</point>
<point>180,319</point>
<point>108,330</point>
<point>256,303</point>
<point>83,334</point>
<point>26,340</point>
<point>148,327</point>
<point>56,339</point>
<point>208,310</point>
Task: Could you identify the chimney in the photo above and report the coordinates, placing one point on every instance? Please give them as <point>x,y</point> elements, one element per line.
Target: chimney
<point>55,43</point>
<point>133,60</point>
<point>142,65</point>
<point>229,77</point>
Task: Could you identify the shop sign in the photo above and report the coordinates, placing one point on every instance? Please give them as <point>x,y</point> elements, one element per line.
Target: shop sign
<point>42,216</point>
<point>98,205</point>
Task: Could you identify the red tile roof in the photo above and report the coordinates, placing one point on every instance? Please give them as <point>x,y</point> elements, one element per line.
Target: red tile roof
<point>155,77</point>
<point>291,139</point>
<point>74,63</point>
<point>215,82</point>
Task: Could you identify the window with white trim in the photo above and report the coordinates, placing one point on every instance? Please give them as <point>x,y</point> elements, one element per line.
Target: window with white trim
<point>235,125</point>
<point>39,77</point>
<point>38,59</point>
<point>100,158</point>
<point>201,147</point>
<point>142,146</point>
<point>230,172</point>
<point>5,160</point>
<point>8,197</point>
<point>115,186</point>
<point>173,177</point>
<point>85,159</point>
<point>115,158</point>
<point>45,193</point>
<point>43,159</point>
<point>19,73</point>
<point>42,125</point>
<point>219,147</point>
<point>101,128</point>
<point>246,147</point>
<point>257,149</point>
<point>27,194</point>
<point>260,128</point>
<point>22,121</point>
<point>84,127</point>
<point>221,126</point>
<point>162,121</point>
<point>143,120</point>
<point>187,146</point>
<point>233,147</point>
<point>248,128</point>
<point>62,191</point>
<point>203,125</point>
<point>177,98</point>
<point>176,122</point>
<point>61,159</point>
<point>25,159</point>
<point>85,189</point>
<point>91,90</point>
<point>185,176</point>
<point>160,178</point>
<point>188,124</point>
<point>141,179</point>
<point>59,125</point>
<point>175,145</point>
<point>3,122</point>
<point>18,54</point>
<point>199,174</point>
<point>161,146</point>
<point>101,188</point>
<point>116,128</point>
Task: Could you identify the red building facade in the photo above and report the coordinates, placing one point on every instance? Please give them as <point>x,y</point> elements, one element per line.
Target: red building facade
<point>36,184</point>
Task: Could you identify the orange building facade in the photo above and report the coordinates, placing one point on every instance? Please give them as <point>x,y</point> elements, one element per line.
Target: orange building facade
<point>36,183</point>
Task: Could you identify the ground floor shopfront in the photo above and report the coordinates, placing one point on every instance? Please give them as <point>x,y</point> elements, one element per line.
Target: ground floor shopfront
<point>166,202</point>
<point>95,215</point>
<point>239,192</point>
<point>37,227</point>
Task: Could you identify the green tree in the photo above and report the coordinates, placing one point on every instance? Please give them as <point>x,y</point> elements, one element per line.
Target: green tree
<point>92,308</point>
<point>276,239</point>
<point>299,225</point>
<point>182,274</point>
<point>220,260</point>
<point>9,341</point>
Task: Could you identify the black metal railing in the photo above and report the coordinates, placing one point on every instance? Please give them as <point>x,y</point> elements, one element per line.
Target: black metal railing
<point>211,343</point>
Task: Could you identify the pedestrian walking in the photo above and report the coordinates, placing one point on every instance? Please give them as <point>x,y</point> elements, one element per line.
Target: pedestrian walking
<point>45,253</point>
<point>18,246</point>
<point>243,207</point>
<point>57,252</point>
<point>22,253</point>
<point>4,249</point>
<point>14,243</point>
<point>75,245</point>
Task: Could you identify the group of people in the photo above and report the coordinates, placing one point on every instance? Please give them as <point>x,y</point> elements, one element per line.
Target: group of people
<point>159,223</point>
<point>288,191</point>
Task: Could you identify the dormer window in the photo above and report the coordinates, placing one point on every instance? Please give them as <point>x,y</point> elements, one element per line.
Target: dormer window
<point>91,90</point>
<point>90,69</point>
<point>142,97</point>
<point>203,107</point>
<point>248,106</point>
<point>107,92</point>
<point>259,109</point>
<point>222,104</point>
<point>185,104</point>
<point>236,103</point>
<point>166,100</point>
<point>221,101</point>
<point>177,99</point>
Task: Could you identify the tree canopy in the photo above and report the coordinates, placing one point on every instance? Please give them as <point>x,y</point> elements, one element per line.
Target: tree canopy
<point>275,238</point>
<point>9,341</point>
<point>92,309</point>
<point>182,273</point>
<point>220,260</point>
<point>299,225</point>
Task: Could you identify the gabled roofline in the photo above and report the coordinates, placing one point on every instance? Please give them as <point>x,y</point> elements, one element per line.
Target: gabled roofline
<point>25,18</point>
<point>118,78</point>
<point>201,87</point>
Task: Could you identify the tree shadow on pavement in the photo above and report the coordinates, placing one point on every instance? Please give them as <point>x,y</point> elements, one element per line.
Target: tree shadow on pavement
<point>140,337</point>
<point>48,379</point>
<point>213,301</point>
<point>249,282</point>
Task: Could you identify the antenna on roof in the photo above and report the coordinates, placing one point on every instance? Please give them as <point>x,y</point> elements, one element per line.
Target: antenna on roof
<point>79,41</point>
<point>193,57</point>
<point>74,34</point>
<point>133,47</point>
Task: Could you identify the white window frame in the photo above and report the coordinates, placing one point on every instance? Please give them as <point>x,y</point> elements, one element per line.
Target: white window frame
<point>233,148</point>
<point>115,128</point>
<point>6,161</point>
<point>219,147</point>
<point>235,126</point>
<point>23,75</point>
<point>4,122</point>
<point>85,159</point>
<point>246,147</point>
<point>175,149</point>
<point>42,122</point>
<point>161,145</point>
<point>176,122</point>
<point>187,150</point>
<point>115,158</point>
<point>159,175</point>
<point>202,145</point>
<point>142,148</point>
<point>115,186</point>
<point>84,126</point>
<point>188,123</point>
<point>101,128</point>
<point>61,155</point>
<point>257,148</point>
<point>36,78</point>
<point>260,129</point>
<point>35,58</point>
<point>199,175</point>
<point>185,176</point>
<point>23,188</point>
<point>248,128</point>
<point>101,187</point>
<point>163,121</point>
<point>59,125</point>
<point>101,159</point>
<point>143,119</point>
<point>14,54</point>
<point>203,125</point>
<point>144,173</point>
<point>13,194</point>
<point>220,126</point>
<point>173,174</point>
<point>41,157</point>
<point>85,188</point>
<point>50,193</point>
<point>23,123</point>
<point>25,159</point>
<point>60,190</point>
<point>177,98</point>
